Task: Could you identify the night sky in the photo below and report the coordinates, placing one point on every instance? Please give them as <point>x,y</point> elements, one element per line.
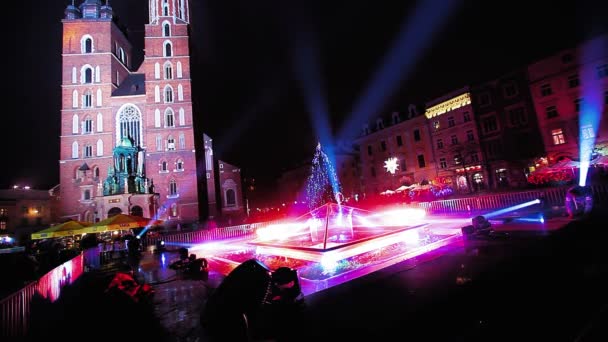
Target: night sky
<point>247,94</point>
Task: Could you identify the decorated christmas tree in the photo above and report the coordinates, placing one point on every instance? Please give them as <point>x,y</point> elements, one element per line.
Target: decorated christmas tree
<point>322,185</point>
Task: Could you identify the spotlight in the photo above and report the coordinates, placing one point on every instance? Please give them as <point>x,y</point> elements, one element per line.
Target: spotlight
<point>480,223</point>
<point>467,231</point>
<point>578,201</point>
<point>160,246</point>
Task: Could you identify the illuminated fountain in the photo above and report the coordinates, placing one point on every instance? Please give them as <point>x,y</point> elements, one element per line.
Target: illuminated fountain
<point>334,243</point>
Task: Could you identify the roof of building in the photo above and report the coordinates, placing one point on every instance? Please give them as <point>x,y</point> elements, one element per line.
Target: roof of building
<point>134,84</point>
<point>19,194</point>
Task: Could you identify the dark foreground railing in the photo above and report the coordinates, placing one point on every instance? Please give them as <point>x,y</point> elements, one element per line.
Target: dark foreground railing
<point>15,309</point>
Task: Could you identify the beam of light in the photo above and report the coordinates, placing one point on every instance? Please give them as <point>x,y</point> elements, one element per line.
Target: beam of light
<point>283,231</point>
<point>180,244</point>
<point>539,219</point>
<point>591,108</point>
<point>402,217</point>
<point>307,67</point>
<point>416,35</point>
<point>510,209</point>
<point>269,93</point>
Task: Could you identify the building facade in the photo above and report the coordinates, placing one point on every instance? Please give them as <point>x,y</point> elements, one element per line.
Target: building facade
<point>508,129</point>
<point>570,94</point>
<point>106,98</point>
<point>403,139</point>
<point>23,210</point>
<point>455,141</point>
<point>231,190</point>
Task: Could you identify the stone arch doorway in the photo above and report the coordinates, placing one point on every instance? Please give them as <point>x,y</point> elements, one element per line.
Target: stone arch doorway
<point>137,211</point>
<point>114,211</point>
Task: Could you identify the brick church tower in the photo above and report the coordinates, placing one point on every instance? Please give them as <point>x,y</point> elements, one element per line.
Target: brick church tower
<point>106,99</point>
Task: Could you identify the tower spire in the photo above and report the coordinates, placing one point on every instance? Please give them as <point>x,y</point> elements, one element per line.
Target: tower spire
<point>72,12</point>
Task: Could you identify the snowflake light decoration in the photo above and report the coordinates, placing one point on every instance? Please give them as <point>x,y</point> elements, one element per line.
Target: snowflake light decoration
<point>391,165</point>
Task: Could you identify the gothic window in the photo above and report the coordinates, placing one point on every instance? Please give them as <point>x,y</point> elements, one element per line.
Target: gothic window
<point>75,123</point>
<point>74,75</point>
<point>163,166</point>
<point>97,74</point>
<point>166,29</point>
<point>170,143</point>
<point>99,98</point>
<point>159,142</point>
<point>75,149</point>
<point>87,74</point>
<point>230,198</point>
<point>168,49</point>
<point>169,118</point>
<point>99,122</point>
<point>182,117</point>
<point>156,94</point>
<point>88,151</point>
<point>168,94</point>
<point>180,9</point>
<point>179,165</point>
<point>87,125</point>
<point>96,171</point>
<point>87,99</point>
<point>75,99</point>
<point>180,92</point>
<point>99,148</point>
<point>157,118</point>
<point>157,70</point>
<point>165,8</point>
<point>168,71</point>
<point>122,56</point>
<point>179,69</point>
<point>173,188</point>
<point>87,44</point>
<point>182,141</point>
<point>128,124</point>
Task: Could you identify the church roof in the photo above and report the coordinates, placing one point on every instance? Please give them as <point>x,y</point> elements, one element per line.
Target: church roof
<point>134,84</point>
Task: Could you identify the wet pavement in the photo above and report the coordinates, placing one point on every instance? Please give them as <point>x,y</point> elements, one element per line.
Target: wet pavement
<point>544,282</point>
<point>546,286</point>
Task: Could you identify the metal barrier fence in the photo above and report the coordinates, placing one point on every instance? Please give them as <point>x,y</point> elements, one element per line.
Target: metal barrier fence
<point>552,196</point>
<point>208,235</point>
<point>15,309</point>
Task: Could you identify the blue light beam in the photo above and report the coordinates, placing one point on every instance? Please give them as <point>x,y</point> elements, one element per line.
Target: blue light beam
<point>591,109</point>
<point>510,209</point>
<point>415,36</point>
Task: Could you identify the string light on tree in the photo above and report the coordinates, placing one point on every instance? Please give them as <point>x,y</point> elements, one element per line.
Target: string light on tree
<point>323,184</point>
<point>391,165</point>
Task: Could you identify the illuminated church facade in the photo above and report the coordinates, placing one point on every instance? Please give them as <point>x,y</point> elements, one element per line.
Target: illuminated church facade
<point>127,135</point>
